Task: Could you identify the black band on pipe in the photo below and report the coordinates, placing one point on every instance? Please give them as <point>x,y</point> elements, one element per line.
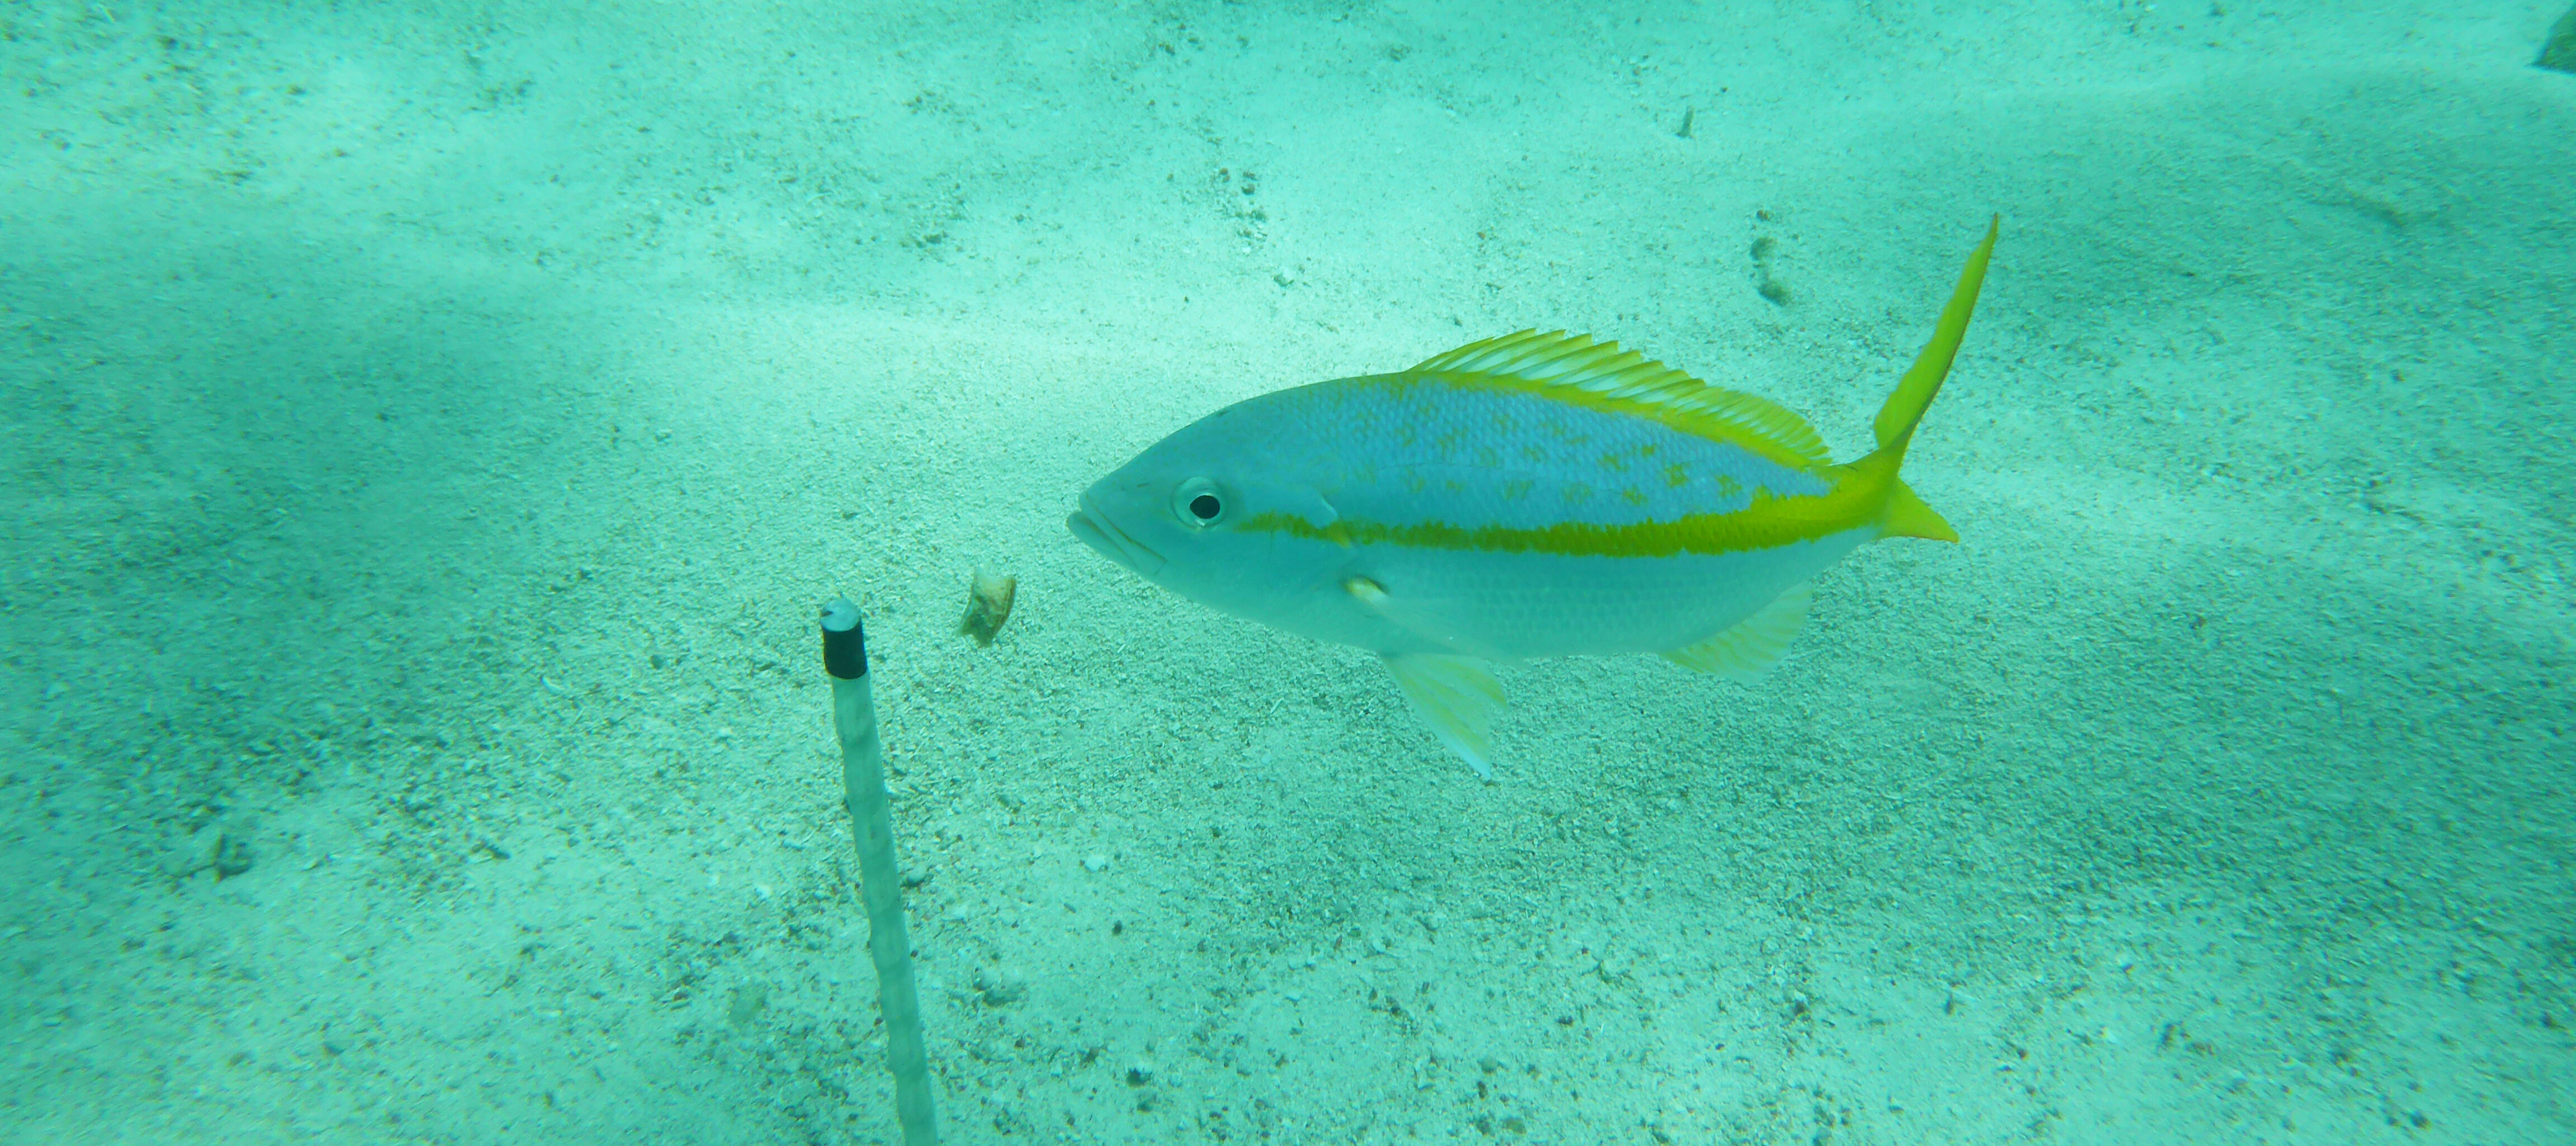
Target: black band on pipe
<point>845,641</point>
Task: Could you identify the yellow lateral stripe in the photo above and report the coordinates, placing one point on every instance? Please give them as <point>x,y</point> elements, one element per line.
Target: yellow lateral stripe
<point>1914,394</point>
<point>1769,523</point>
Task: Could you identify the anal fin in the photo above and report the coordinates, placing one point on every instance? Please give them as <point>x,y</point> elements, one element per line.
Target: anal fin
<point>1748,650</point>
<point>1457,698</point>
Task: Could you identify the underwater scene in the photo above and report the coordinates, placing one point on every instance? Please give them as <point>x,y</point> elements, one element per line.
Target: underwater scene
<point>1858,572</point>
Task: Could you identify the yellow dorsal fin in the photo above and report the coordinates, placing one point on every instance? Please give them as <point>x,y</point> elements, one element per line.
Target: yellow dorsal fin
<point>1748,650</point>
<point>1599,375</point>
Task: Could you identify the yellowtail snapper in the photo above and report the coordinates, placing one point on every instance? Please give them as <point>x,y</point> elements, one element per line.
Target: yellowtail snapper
<point>1525,496</point>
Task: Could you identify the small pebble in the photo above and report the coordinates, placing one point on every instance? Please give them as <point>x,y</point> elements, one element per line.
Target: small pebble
<point>748,1001</point>
<point>999,989</point>
<point>212,847</point>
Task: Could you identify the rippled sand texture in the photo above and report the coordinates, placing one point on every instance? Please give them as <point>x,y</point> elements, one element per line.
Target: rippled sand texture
<point>428,431</point>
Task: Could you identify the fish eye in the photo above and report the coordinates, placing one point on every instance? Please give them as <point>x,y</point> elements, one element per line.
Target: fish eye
<point>1198,502</point>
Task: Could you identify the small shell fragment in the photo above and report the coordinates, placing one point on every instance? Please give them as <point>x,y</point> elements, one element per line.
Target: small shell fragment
<point>988,605</point>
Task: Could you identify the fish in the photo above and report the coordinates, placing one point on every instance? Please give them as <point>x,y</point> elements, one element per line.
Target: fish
<point>1531,495</point>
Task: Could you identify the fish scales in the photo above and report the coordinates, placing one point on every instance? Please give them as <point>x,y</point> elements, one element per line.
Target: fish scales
<point>1408,460</point>
<point>1408,449</point>
<point>1523,496</point>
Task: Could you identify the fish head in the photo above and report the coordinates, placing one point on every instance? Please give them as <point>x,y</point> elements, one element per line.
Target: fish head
<point>1210,513</point>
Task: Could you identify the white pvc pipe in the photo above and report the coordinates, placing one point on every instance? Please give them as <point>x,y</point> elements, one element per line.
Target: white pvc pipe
<point>854,717</point>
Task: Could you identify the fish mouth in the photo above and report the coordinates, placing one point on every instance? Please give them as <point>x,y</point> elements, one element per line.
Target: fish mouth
<point>1097,531</point>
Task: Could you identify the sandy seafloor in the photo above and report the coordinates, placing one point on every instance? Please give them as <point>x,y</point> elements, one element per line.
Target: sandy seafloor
<point>429,429</point>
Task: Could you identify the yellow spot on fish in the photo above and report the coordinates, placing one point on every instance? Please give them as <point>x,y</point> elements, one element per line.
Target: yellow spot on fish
<point>1676,476</point>
<point>1729,486</point>
<point>1533,454</point>
<point>1614,463</point>
<point>1577,492</point>
<point>1517,489</point>
<point>1633,495</point>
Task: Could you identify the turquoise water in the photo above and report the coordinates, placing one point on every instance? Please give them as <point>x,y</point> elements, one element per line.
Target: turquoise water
<point>430,428</point>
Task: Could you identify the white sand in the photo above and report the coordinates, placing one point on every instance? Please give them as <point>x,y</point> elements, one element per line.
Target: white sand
<point>428,433</point>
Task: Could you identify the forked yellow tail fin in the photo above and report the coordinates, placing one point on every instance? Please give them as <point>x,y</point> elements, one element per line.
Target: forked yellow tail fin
<point>1905,407</point>
<point>1907,516</point>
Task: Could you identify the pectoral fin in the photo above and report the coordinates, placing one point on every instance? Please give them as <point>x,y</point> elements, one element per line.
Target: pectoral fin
<point>1748,650</point>
<point>1432,619</point>
<point>1457,698</point>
